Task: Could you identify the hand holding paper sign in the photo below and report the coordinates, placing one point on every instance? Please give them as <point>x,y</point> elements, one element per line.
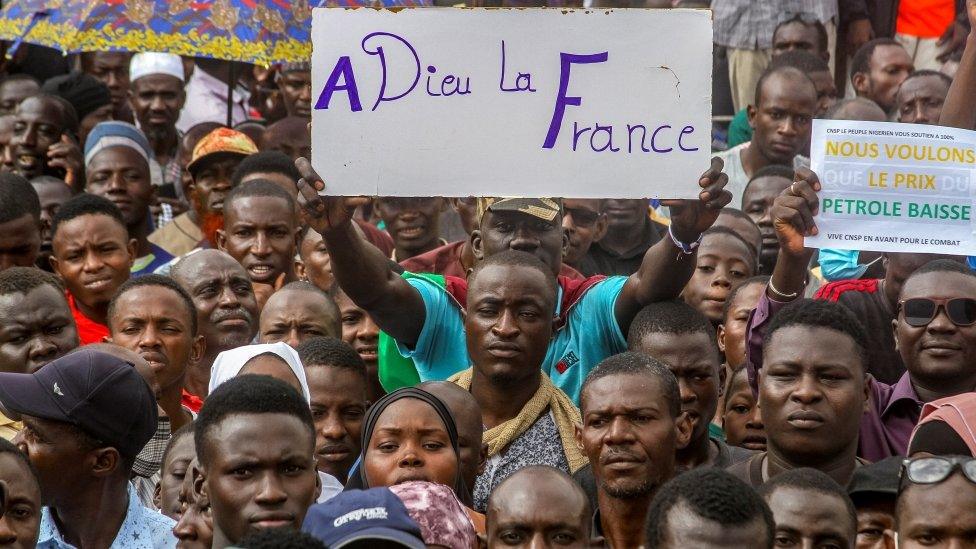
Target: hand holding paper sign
<point>690,218</point>
<point>792,214</point>
<point>323,213</point>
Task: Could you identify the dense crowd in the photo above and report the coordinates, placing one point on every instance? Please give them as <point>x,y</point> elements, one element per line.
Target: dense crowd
<point>201,347</point>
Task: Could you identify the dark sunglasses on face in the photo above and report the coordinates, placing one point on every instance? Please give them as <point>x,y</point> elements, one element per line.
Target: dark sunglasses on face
<point>920,311</point>
<point>933,470</point>
<point>582,217</point>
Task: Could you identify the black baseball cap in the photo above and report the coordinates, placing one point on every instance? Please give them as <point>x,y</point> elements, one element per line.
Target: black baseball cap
<point>99,393</point>
<point>875,481</point>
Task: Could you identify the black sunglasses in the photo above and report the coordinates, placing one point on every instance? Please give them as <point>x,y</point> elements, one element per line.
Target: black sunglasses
<point>933,470</point>
<point>920,311</point>
<point>582,216</point>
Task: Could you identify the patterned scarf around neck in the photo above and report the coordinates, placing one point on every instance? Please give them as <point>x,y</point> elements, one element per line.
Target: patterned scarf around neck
<point>565,414</point>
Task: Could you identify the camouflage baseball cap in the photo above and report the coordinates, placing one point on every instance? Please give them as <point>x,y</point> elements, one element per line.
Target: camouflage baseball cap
<point>544,208</point>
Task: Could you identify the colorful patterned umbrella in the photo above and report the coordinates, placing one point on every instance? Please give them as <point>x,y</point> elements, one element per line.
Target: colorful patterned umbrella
<point>261,32</point>
<point>255,31</point>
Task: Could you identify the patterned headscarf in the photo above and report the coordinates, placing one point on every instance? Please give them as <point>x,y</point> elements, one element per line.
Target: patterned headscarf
<point>441,517</point>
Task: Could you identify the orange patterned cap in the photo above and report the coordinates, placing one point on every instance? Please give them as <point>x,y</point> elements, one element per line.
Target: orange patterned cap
<point>221,140</point>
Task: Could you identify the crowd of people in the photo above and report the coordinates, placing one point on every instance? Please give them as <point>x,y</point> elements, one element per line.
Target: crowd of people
<point>200,347</point>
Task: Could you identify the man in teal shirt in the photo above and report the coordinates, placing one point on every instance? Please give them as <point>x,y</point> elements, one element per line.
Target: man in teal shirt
<point>593,315</point>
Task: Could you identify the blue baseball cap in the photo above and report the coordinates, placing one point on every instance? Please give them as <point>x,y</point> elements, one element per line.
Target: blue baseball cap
<point>101,394</point>
<point>360,516</point>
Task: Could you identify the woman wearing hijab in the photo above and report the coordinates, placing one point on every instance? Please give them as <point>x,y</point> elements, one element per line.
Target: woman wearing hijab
<point>410,435</point>
<point>277,360</point>
<point>947,427</point>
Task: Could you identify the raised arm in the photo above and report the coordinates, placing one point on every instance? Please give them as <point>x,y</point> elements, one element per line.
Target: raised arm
<point>363,272</point>
<point>666,269</point>
<point>959,110</point>
<point>792,214</point>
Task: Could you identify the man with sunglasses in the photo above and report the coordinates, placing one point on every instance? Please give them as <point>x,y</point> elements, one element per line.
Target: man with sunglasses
<point>629,234</point>
<point>585,223</point>
<point>935,503</point>
<point>933,327</point>
<point>875,302</point>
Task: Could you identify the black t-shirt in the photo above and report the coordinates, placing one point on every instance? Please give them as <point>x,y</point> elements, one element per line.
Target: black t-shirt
<point>600,261</point>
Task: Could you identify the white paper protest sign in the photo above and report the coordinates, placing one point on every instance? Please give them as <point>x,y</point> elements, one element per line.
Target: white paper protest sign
<point>894,187</point>
<point>511,102</point>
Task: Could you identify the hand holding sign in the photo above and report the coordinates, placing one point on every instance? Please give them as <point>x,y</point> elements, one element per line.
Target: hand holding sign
<point>690,218</point>
<point>323,213</point>
<point>793,212</point>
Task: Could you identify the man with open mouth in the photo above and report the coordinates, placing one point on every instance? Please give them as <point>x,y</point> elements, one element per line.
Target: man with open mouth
<point>43,141</point>
<point>260,230</point>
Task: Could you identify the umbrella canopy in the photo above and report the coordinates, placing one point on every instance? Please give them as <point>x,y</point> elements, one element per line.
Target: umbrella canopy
<point>262,32</point>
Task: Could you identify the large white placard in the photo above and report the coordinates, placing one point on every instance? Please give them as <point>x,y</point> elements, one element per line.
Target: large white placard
<point>511,102</point>
<point>894,187</point>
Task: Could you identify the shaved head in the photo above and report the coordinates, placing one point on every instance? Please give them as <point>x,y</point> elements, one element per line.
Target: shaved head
<point>537,501</point>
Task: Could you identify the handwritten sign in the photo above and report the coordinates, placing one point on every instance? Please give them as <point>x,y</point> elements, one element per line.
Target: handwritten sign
<point>894,187</point>
<point>511,102</point>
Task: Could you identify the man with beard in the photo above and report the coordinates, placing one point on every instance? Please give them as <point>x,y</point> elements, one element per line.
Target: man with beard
<point>156,97</point>
<point>878,69</point>
<point>226,312</point>
<point>632,426</point>
<point>43,141</point>
<point>214,159</point>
